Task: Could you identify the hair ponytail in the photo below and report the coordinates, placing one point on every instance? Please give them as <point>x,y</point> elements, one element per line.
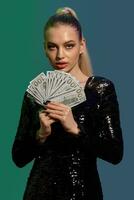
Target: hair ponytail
<point>84,60</point>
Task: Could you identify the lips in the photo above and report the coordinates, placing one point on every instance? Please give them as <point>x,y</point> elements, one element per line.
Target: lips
<point>61,64</point>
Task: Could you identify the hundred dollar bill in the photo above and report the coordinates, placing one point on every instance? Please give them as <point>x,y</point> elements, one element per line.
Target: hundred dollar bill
<point>56,86</point>
<point>69,99</point>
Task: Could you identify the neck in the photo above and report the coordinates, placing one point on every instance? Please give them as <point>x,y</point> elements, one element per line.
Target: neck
<point>77,73</point>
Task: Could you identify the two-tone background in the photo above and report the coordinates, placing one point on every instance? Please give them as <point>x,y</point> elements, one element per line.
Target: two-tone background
<point>108,29</point>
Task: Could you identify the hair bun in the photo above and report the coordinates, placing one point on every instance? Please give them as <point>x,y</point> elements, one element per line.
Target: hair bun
<point>67,11</point>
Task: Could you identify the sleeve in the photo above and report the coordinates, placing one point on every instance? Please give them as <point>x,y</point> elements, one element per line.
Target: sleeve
<point>25,147</point>
<point>106,141</point>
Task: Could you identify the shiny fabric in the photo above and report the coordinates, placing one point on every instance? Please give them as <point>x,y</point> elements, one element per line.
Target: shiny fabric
<point>65,164</point>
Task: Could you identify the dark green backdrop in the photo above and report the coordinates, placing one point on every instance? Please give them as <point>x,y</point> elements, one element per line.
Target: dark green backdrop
<point>108,28</point>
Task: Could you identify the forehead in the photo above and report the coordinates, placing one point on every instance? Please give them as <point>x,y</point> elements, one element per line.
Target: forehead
<point>61,33</point>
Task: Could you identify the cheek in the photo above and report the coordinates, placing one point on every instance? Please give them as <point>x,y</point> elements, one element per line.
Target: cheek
<point>50,55</point>
<point>75,55</point>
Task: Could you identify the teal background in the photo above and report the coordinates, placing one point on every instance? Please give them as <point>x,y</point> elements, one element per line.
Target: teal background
<point>108,28</point>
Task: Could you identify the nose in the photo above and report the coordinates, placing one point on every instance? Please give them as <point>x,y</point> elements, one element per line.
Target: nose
<point>60,54</point>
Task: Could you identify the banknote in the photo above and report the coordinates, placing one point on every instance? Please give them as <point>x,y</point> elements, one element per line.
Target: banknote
<point>56,86</point>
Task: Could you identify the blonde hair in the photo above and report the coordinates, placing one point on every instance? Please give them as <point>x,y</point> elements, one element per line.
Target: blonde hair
<point>84,60</point>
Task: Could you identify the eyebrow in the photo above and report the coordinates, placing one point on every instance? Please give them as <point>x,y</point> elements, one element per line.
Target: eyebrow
<point>64,43</point>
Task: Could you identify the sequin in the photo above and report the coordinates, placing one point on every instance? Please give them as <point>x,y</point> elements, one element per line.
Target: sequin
<point>65,164</point>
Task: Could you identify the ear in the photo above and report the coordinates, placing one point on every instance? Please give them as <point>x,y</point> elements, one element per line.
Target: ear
<point>82,45</point>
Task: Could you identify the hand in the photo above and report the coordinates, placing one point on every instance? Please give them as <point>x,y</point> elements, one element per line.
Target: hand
<point>45,126</point>
<point>63,114</point>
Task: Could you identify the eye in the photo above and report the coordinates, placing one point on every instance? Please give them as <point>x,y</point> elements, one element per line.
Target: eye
<point>51,47</point>
<point>69,46</point>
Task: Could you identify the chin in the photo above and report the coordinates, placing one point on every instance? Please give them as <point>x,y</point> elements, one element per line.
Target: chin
<point>62,69</point>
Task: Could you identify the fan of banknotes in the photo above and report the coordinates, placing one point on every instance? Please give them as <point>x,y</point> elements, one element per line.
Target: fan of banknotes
<point>56,86</point>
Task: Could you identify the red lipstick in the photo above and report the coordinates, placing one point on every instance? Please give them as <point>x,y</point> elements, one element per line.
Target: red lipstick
<point>61,64</point>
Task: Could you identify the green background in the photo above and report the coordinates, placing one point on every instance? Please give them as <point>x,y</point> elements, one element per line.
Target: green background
<point>108,28</point>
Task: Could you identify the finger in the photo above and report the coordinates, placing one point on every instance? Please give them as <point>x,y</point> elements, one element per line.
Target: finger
<point>58,104</point>
<point>50,111</point>
<point>63,112</point>
<point>43,114</point>
<point>52,120</point>
<point>46,121</point>
<point>59,107</point>
<point>57,117</point>
<point>54,107</point>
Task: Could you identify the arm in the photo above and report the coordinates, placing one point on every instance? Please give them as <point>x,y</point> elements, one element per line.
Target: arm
<point>107,143</point>
<point>25,147</point>
<point>98,133</point>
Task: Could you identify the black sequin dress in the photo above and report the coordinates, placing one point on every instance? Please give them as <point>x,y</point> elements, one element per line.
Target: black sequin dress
<point>65,164</point>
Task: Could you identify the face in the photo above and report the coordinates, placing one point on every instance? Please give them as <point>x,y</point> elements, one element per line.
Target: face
<point>63,47</point>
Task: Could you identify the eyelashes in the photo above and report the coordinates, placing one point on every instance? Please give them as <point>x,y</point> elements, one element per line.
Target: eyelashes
<point>69,46</point>
<point>53,47</point>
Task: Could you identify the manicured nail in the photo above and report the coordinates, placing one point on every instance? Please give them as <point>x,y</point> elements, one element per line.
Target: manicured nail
<point>46,102</point>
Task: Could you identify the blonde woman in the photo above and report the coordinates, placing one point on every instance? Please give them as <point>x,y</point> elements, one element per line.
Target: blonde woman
<point>65,143</point>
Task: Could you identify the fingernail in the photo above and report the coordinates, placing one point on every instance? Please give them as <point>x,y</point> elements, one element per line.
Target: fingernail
<point>46,102</point>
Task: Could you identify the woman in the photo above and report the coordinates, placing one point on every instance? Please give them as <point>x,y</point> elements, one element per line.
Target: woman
<point>64,142</point>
